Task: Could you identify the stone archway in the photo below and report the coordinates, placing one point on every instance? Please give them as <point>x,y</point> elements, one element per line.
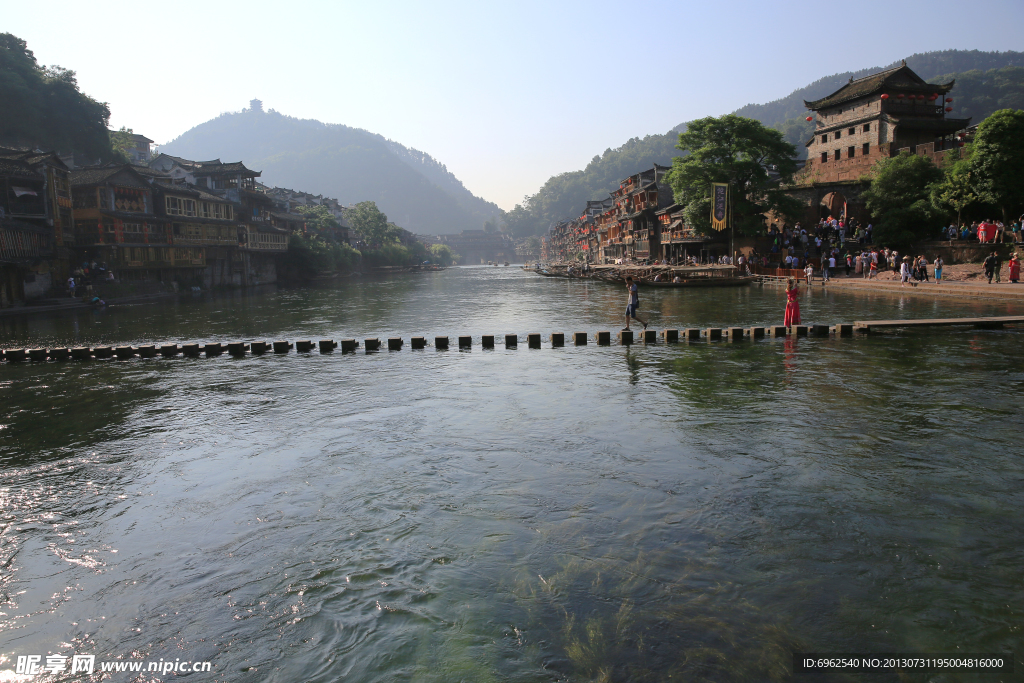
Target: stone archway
<point>832,204</point>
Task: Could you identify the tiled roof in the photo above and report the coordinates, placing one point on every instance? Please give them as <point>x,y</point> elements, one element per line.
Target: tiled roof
<point>30,157</point>
<point>14,168</point>
<point>97,176</point>
<point>206,168</point>
<point>147,171</point>
<point>900,78</point>
<point>186,190</point>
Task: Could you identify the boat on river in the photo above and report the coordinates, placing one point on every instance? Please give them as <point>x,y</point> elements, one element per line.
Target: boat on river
<point>737,281</point>
<point>689,276</point>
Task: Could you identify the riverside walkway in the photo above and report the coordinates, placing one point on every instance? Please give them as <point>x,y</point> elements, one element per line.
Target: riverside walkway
<point>510,341</point>
<point>969,290</point>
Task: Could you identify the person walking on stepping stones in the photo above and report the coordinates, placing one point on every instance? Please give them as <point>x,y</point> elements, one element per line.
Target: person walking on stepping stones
<point>792,305</point>
<point>633,302</point>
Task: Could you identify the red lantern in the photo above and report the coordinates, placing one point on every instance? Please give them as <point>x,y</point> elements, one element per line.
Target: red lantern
<point>949,99</point>
<point>949,108</point>
<point>885,97</point>
<point>810,118</point>
<point>920,98</point>
<point>934,96</point>
<point>900,96</point>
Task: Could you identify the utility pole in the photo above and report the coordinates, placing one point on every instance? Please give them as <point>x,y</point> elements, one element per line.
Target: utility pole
<point>732,232</point>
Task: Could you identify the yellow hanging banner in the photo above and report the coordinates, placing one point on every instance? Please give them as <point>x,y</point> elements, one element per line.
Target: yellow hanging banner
<point>719,205</point>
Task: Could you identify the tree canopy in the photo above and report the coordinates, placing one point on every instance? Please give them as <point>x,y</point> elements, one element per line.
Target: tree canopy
<point>739,151</point>
<point>43,107</point>
<point>320,220</point>
<point>443,254</point>
<point>998,160</point>
<point>957,190</point>
<point>899,198</point>
<point>371,224</point>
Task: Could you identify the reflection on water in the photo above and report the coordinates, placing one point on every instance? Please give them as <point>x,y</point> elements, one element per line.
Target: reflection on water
<point>693,512</point>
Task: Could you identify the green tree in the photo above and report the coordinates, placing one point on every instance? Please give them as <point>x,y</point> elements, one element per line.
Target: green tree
<point>121,144</point>
<point>42,106</point>
<point>319,219</point>
<point>739,151</point>
<point>898,199</point>
<point>311,255</point>
<point>998,160</point>
<point>957,190</point>
<point>443,254</point>
<point>371,224</point>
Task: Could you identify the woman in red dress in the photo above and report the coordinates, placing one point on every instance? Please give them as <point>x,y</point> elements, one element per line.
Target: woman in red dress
<point>1014,268</point>
<point>792,305</point>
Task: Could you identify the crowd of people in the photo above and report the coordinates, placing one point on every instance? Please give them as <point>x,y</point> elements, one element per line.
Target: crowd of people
<point>80,282</point>
<point>985,232</point>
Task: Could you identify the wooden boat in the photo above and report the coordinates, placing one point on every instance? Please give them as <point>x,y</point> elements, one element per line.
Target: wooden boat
<point>703,282</point>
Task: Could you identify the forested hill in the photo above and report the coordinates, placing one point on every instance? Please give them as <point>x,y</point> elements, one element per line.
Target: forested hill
<point>928,66</point>
<point>985,82</point>
<point>353,165</point>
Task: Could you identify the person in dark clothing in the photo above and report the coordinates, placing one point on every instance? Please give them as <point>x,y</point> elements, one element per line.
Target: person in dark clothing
<point>990,266</point>
<point>633,303</point>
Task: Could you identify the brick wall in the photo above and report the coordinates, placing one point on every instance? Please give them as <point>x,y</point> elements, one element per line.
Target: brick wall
<point>846,169</point>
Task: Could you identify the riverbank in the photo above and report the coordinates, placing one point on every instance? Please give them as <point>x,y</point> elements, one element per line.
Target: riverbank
<point>965,280</point>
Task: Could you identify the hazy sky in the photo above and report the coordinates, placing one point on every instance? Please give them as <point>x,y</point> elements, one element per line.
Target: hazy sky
<point>505,94</point>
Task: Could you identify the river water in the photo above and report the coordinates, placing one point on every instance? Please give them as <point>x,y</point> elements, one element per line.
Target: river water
<point>691,512</point>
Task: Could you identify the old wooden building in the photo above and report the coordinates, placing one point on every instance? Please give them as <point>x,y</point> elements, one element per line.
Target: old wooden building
<point>36,224</point>
<point>866,120</point>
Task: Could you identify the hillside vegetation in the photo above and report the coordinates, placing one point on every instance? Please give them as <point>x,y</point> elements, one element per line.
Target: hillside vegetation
<point>41,106</point>
<point>351,164</point>
<point>986,82</point>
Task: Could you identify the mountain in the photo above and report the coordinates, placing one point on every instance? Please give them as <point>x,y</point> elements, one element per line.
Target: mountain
<point>789,115</point>
<point>927,65</point>
<point>986,81</point>
<point>416,191</point>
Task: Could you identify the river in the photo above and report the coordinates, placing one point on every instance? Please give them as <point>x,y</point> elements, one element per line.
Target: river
<point>687,512</point>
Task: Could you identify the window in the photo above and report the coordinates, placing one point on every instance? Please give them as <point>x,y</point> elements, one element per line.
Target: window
<point>824,157</point>
<point>865,148</point>
<point>86,200</point>
<point>850,152</point>
<point>839,134</point>
<point>824,138</point>
<point>205,210</point>
<point>837,153</point>
<point>851,131</point>
<point>173,206</point>
<point>867,127</point>
<point>188,207</point>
